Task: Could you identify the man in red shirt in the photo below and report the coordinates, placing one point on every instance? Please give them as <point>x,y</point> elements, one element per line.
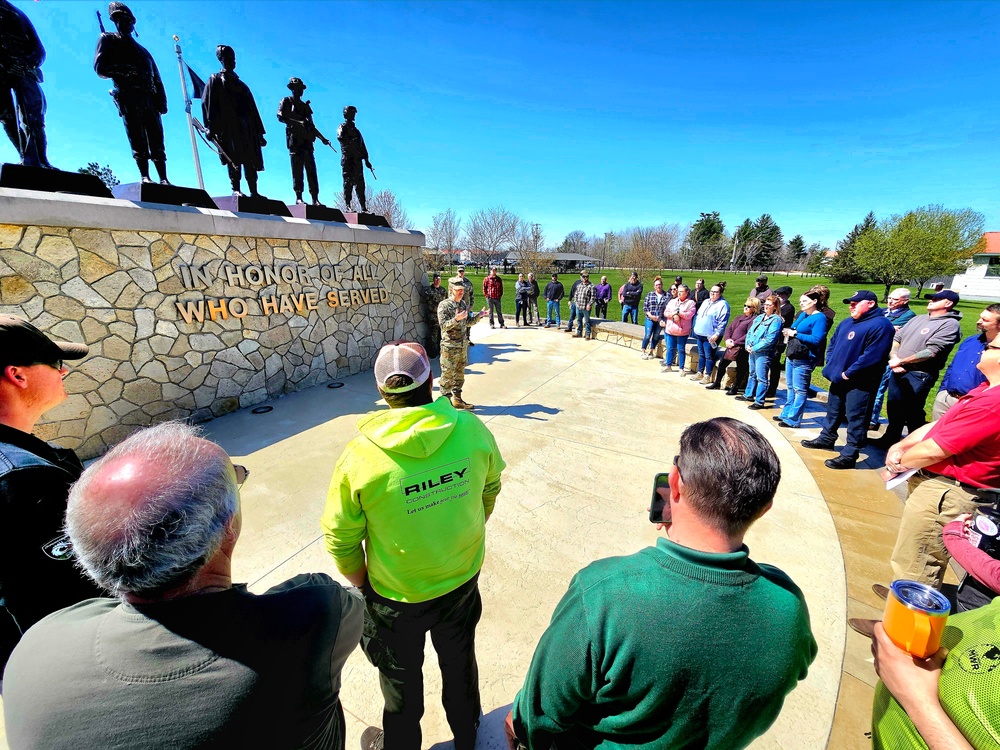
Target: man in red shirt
<point>958,458</point>
<point>493,290</point>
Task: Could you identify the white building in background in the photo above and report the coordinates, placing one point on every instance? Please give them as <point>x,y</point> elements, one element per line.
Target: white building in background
<point>982,279</point>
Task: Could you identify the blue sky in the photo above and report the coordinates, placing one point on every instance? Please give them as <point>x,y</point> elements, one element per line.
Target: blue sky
<point>593,116</point>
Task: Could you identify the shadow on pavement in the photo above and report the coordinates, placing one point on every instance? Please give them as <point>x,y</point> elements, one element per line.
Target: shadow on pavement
<point>521,411</point>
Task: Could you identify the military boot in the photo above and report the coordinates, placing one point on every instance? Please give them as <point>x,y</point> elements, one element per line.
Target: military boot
<point>459,403</point>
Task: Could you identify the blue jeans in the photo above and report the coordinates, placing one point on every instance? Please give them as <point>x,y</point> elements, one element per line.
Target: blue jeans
<point>630,312</point>
<point>851,405</point>
<point>798,373</point>
<point>757,381</point>
<point>675,344</point>
<point>652,336</point>
<point>553,304</point>
<point>583,319</point>
<point>880,397</point>
<point>572,316</point>
<point>706,354</point>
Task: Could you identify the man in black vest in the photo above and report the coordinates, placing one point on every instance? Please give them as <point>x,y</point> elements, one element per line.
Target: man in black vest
<point>37,575</point>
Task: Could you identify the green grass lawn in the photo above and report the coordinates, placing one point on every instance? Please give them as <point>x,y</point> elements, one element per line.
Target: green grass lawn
<point>738,286</point>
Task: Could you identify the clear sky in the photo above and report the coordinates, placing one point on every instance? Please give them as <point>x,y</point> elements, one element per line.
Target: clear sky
<point>593,116</point>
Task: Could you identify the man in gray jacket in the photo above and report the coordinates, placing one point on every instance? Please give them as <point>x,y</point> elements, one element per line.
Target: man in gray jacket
<point>182,657</point>
<point>919,352</point>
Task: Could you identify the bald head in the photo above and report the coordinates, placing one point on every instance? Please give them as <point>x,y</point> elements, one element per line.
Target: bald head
<point>150,513</point>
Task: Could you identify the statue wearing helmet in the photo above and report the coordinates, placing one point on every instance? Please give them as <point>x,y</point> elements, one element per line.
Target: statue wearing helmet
<point>138,90</point>
<point>22,103</point>
<point>300,135</point>
<point>353,158</point>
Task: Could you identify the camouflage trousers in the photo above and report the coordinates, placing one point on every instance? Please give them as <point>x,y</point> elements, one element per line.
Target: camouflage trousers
<point>454,360</point>
<point>433,345</point>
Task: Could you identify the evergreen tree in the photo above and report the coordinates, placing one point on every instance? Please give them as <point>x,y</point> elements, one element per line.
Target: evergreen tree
<point>797,246</point>
<point>107,176</point>
<point>845,269</point>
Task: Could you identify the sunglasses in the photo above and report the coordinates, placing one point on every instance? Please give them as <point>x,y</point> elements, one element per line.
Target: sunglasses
<point>676,459</point>
<point>242,473</point>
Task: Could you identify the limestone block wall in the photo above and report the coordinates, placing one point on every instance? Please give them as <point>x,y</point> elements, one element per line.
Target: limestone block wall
<point>193,313</point>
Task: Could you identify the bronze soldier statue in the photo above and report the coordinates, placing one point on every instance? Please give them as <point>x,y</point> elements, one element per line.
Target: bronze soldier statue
<point>353,158</point>
<point>233,122</point>
<point>300,135</point>
<point>138,90</point>
<point>21,97</point>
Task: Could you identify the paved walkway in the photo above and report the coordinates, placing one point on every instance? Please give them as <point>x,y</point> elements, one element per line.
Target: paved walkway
<point>583,426</point>
<point>583,430</point>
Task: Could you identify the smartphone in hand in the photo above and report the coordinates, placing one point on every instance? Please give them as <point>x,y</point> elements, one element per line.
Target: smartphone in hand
<point>657,504</point>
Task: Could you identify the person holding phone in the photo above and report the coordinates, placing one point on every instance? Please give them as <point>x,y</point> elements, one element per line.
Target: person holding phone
<point>621,659</point>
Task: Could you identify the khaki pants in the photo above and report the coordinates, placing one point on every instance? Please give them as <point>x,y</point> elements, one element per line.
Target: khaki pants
<point>920,554</point>
<point>942,403</point>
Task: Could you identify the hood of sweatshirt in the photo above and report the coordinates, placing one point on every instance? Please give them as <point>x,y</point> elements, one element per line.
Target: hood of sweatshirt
<point>415,431</point>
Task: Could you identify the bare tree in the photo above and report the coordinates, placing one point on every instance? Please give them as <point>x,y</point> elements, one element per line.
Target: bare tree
<point>443,234</point>
<point>383,203</point>
<point>489,234</point>
<point>528,247</point>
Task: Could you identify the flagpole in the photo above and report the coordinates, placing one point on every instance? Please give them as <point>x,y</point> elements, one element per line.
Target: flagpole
<point>187,108</point>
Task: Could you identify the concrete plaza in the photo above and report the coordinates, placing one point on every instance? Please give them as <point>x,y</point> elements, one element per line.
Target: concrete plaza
<point>583,426</point>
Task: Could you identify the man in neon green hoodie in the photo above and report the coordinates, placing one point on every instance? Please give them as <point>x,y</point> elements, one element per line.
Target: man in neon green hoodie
<point>417,487</point>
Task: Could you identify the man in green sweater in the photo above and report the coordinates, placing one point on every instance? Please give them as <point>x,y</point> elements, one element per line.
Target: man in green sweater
<point>417,487</point>
<point>686,644</point>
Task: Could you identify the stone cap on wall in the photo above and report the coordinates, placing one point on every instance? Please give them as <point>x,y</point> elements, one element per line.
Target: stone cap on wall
<point>27,207</point>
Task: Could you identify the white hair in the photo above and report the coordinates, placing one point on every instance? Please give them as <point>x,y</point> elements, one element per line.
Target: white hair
<point>902,292</point>
<point>175,528</point>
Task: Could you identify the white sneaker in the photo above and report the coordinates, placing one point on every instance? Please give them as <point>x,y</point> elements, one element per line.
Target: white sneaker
<point>644,355</point>
<point>666,368</point>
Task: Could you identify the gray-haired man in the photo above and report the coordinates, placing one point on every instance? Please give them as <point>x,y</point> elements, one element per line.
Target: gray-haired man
<point>183,656</point>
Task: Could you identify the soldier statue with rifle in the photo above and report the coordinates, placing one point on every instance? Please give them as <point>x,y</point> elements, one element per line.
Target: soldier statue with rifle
<point>22,103</point>
<point>300,135</point>
<point>353,158</point>
<point>138,90</point>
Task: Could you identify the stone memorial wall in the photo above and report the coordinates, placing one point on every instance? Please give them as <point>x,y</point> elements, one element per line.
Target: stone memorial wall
<point>194,313</point>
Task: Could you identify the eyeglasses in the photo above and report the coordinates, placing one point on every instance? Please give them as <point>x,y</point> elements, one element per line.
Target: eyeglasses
<point>676,459</point>
<point>58,365</point>
<point>746,307</point>
<point>242,474</point>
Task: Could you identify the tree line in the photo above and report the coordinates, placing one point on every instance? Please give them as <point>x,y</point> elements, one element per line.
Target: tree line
<point>912,247</point>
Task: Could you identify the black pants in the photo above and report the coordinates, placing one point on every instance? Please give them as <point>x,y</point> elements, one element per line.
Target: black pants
<point>854,406</point>
<point>907,397</point>
<point>775,372</point>
<point>145,133</point>
<point>393,640</point>
<point>304,159</point>
<point>354,180</point>
<point>602,309</point>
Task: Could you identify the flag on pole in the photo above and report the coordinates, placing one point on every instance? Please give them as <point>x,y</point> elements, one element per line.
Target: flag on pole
<point>197,85</point>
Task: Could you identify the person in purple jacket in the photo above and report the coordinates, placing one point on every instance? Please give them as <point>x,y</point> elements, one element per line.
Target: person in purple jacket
<point>603,297</point>
<point>855,361</point>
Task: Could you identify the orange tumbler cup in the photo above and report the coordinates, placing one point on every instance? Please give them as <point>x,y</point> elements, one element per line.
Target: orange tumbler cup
<point>915,617</point>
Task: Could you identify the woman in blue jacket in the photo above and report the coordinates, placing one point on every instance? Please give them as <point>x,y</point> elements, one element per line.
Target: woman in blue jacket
<point>761,340</point>
<point>709,325</point>
<point>809,329</point>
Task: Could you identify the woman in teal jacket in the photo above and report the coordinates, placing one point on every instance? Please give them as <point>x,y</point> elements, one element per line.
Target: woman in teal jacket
<point>809,328</point>
<point>761,340</point>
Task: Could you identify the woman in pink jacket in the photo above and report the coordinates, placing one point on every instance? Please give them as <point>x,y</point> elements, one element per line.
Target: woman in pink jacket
<point>676,323</point>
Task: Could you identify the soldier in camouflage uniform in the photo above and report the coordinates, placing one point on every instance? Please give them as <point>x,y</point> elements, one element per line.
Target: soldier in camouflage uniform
<point>470,298</point>
<point>455,319</point>
<point>433,296</point>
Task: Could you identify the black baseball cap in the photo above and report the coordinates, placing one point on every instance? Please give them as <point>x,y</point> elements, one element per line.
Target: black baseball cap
<point>437,276</point>
<point>945,294</point>
<point>783,290</point>
<point>21,342</point>
<point>861,295</point>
